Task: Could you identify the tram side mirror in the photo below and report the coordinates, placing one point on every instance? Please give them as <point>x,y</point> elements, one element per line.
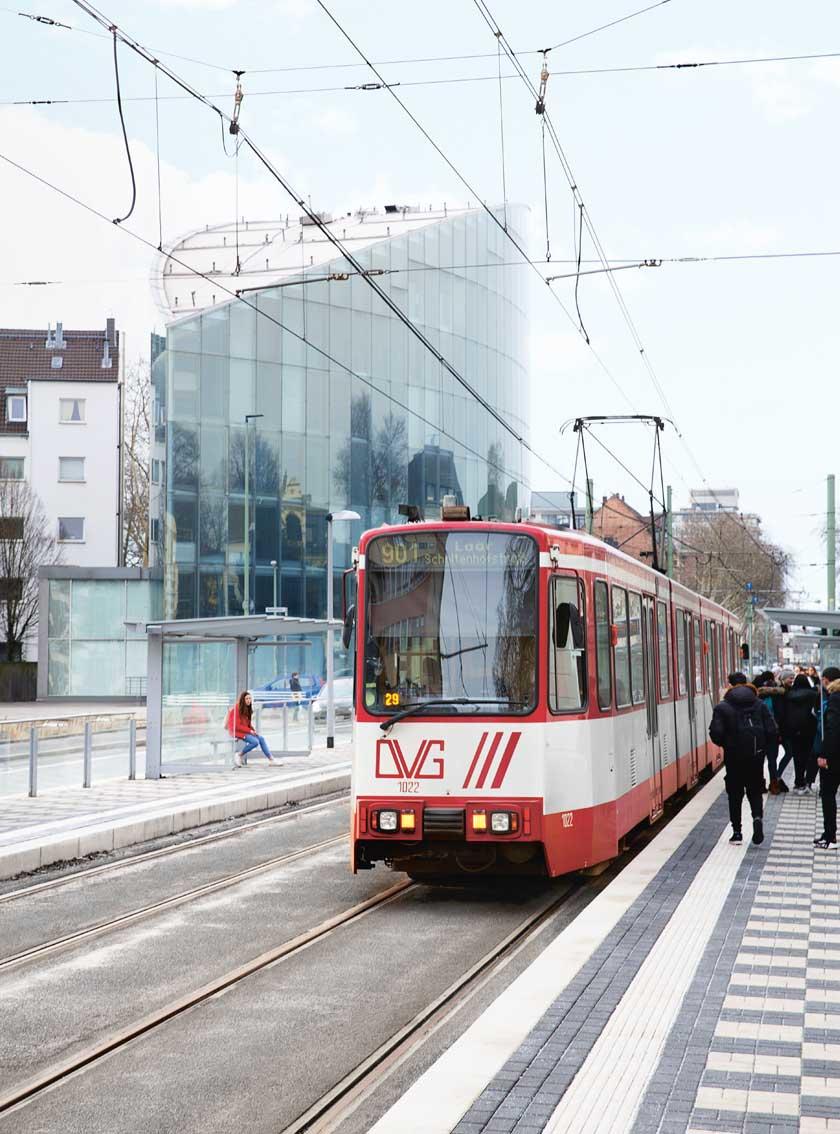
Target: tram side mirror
<point>567,617</point>
<point>349,625</point>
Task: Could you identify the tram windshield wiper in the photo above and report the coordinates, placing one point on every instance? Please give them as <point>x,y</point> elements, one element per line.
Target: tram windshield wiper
<point>419,706</point>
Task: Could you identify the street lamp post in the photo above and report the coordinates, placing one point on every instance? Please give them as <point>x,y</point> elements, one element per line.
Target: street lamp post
<point>274,569</point>
<point>346,514</point>
<point>247,556</point>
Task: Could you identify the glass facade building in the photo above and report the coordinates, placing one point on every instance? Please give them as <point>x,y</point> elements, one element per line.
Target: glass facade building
<point>397,430</point>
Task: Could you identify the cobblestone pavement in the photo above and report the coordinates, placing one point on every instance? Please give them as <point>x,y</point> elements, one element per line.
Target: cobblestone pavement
<point>752,1045</point>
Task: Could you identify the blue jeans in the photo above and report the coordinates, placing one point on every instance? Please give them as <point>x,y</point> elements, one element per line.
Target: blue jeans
<point>252,741</point>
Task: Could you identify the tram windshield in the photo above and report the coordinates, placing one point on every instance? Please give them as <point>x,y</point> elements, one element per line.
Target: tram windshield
<point>451,616</point>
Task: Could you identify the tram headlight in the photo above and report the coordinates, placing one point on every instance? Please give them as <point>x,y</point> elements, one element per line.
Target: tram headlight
<point>388,820</point>
<point>504,822</point>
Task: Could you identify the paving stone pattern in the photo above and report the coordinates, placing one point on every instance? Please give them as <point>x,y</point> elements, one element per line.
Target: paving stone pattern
<point>524,1094</point>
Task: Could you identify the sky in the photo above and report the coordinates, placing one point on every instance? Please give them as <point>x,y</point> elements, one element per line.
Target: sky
<point>713,161</point>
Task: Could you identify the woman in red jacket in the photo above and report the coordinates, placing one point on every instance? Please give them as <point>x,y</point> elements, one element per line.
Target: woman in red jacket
<point>239,725</point>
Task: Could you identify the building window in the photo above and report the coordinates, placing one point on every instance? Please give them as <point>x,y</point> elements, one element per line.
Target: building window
<point>11,527</point>
<point>71,410</point>
<point>11,468</point>
<point>56,362</point>
<point>11,590</point>
<point>71,468</point>
<point>155,471</point>
<point>16,408</point>
<point>71,529</point>
<point>154,530</point>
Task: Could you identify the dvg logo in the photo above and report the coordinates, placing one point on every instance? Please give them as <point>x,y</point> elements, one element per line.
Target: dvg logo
<point>391,763</point>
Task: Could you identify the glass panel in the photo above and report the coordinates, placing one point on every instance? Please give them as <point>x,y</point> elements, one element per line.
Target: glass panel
<point>58,675</point>
<point>294,399</point>
<point>682,660</point>
<point>11,468</point>
<point>98,609</point>
<point>622,648</point>
<point>567,646</point>
<point>664,649</point>
<point>136,659</point>
<point>185,381</point>
<point>214,388</point>
<point>602,638</point>
<point>71,529</point>
<point>98,669</point>
<point>698,658</point>
<point>637,672</point>
<point>198,689</point>
<point>214,331</point>
<point>138,606</point>
<point>452,615</point>
<point>184,457</point>
<point>59,610</point>
<point>71,409</point>
<point>71,468</point>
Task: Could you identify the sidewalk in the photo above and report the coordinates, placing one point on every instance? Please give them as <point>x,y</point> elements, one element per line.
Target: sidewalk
<point>71,823</point>
<point>698,993</point>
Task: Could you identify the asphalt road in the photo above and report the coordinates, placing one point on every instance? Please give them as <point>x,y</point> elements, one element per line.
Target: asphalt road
<point>259,1054</point>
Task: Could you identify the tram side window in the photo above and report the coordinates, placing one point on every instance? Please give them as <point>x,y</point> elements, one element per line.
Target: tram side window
<point>567,655</point>
<point>637,661</point>
<point>708,653</point>
<point>602,641</point>
<point>698,658</point>
<point>622,647</point>
<point>664,651</point>
<point>682,657</point>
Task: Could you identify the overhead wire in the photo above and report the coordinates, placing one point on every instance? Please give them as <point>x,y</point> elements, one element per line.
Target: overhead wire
<point>119,220</point>
<point>604,27</point>
<point>157,159</point>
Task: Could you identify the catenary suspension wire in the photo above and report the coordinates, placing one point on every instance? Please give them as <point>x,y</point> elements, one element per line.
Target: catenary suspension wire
<point>611,24</point>
<point>578,272</point>
<point>502,133</point>
<point>119,220</point>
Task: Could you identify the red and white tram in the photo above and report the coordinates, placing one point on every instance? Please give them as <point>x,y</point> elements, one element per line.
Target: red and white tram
<point>524,697</point>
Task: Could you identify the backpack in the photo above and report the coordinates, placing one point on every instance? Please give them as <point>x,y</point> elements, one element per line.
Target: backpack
<point>749,740</point>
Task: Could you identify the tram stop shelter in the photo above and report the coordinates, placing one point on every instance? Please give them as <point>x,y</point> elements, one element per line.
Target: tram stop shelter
<point>818,627</point>
<point>197,668</point>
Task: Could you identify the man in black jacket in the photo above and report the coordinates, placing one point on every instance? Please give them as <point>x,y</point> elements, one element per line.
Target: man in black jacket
<point>829,762</point>
<point>744,728</point>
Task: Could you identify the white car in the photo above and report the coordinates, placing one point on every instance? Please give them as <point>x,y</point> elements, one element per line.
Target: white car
<point>343,696</point>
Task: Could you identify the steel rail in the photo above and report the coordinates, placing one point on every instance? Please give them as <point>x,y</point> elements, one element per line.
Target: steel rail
<point>47,948</point>
<point>122,1037</point>
<point>161,852</point>
<point>345,1097</point>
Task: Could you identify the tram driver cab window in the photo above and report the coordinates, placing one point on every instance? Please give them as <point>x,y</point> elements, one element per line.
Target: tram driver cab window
<point>567,649</point>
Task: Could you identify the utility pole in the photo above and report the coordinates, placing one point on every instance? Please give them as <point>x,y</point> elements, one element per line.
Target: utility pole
<point>750,619</point>
<point>766,642</point>
<point>669,535</point>
<point>831,535</point>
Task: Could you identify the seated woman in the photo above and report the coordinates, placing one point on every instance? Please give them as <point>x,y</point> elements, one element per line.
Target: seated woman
<point>239,725</point>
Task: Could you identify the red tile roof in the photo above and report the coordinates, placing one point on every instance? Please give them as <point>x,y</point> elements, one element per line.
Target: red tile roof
<point>24,355</point>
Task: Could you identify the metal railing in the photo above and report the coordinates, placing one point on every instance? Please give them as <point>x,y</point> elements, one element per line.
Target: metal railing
<point>67,751</point>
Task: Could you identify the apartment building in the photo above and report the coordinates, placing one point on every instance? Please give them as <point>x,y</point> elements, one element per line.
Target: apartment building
<point>60,430</point>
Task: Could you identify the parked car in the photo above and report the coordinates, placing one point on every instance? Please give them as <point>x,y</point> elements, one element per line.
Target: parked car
<point>276,693</point>
<point>342,695</point>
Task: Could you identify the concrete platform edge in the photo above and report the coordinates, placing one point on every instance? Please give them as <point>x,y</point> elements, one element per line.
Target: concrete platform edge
<point>115,834</point>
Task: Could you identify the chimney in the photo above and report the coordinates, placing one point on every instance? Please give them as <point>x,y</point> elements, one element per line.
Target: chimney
<point>59,336</point>
<point>110,331</point>
<point>50,343</point>
<point>106,356</point>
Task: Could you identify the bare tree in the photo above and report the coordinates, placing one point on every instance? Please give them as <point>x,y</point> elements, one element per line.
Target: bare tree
<point>26,543</point>
<point>717,555</point>
<point>136,441</point>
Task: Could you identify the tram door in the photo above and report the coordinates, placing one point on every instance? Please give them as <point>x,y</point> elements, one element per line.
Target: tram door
<point>651,705</point>
<point>691,656</point>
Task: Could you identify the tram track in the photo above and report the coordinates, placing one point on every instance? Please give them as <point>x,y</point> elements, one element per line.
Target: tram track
<point>122,1037</point>
<point>336,1105</point>
<point>48,948</point>
<point>174,848</point>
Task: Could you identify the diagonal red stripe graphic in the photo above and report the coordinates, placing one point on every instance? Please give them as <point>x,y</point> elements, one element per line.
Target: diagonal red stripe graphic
<point>507,756</point>
<point>475,759</point>
<point>488,762</point>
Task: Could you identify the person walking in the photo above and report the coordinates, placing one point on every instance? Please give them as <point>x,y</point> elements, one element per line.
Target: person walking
<point>239,725</point>
<point>772,696</point>
<point>297,692</point>
<point>744,728</point>
<point>800,703</point>
<point>828,757</point>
